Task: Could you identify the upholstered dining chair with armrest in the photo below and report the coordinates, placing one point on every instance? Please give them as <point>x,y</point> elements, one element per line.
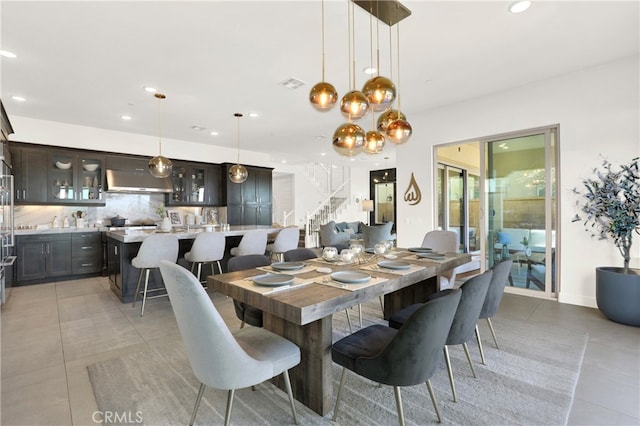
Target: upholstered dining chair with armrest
<point>154,248</point>
<point>286,239</point>
<point>252,242</point>
<point>536,274</point>
<point>443,241</point>
<point>403,357</point>
<point>221,359</point>
<point>373,234</point>
<point>247,313</point>
<point>499,278</point>
<point>207,248</point>
<point>464,323</point>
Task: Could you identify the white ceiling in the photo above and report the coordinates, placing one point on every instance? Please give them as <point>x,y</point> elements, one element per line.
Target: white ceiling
<point>85,62</point>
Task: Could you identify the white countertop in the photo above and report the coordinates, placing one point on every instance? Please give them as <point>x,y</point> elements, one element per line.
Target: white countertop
<point>135,236</point>
<point>36,231</point>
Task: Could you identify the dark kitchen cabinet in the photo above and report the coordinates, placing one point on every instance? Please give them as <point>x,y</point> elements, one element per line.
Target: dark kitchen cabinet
<point>86,253</point>
<point>30,170</point>
<point>248,203</point>
<point>75,177</point>
<point>43,256</point>
<point>194,184</point>
<point>114,252</point>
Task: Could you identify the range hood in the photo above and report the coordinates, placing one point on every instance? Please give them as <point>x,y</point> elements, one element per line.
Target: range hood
<point>137,181</point>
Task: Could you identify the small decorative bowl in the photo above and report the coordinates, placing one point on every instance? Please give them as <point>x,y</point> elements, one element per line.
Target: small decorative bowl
<point>62,165</point>
<point>90,167</point>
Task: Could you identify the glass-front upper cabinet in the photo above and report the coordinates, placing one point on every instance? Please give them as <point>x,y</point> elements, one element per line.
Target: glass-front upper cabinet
<point>192,185</point>
<point>75,178</point>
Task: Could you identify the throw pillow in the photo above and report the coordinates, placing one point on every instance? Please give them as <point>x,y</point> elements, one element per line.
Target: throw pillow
<point>341,226</point>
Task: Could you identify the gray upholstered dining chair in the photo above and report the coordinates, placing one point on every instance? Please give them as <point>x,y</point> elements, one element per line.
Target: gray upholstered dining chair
<point>464,323</point>
<point>330,237</point>
<point>373,234</point>
<point>207,248</point>
<point>246,313</point>
<point>404,357</point>
<point>286,239</point>
<point>501,271</point>
<point>299,254</point>
<point>221,359</point>
<point>252,242</point>
<point>443,241</point>
<point>154,248</point>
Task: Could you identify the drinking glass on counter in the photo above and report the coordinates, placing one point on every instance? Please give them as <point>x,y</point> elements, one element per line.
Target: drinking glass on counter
<point>380,248</point>
<point>330,253</point>
<point>346,255</point>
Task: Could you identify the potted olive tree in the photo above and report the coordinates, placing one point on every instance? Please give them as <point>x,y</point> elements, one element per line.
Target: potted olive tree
<point>610,205</point>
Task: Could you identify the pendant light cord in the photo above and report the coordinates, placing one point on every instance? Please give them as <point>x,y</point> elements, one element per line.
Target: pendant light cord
<point>398,52</point>
<point>160,97</point>
<point>238,115</point>
<point>322,32</point>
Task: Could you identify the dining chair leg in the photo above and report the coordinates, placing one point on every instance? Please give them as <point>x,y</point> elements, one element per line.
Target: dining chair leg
<point>199,271</point>
<point>360,314</point>
<point>144,294</point>
<point>349,320</point>
<point>396,393</point>
<point>227,413</point>
<point>450,372</point>
<point>381,304</point>
<point>287,384</point>
<point>466,351</point>
<point>493,333</point>
<point>195,408</point>
<point>480,345</point>
<point>433,399</point>
<point>335,408</point>
<point>219,268</point>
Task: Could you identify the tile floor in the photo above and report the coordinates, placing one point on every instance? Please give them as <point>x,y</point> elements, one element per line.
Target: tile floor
<point>52,332</point>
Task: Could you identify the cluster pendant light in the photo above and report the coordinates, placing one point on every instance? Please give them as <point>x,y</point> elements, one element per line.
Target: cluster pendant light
<point>378,95</point>
<point>238,173</point>
<point>160,166</point>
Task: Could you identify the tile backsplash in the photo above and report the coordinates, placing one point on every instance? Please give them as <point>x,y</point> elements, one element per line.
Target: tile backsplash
<point>136,208</point>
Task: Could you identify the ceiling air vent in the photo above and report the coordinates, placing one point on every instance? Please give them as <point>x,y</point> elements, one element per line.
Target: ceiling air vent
<point>292,83</point>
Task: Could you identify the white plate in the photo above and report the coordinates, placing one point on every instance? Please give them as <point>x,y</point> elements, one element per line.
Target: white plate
<point>350,277</point>
<point>393,264</point>
<point>273,280</point>
<point>433,256</point>
<point>63,166</point>
<point>287,266</point>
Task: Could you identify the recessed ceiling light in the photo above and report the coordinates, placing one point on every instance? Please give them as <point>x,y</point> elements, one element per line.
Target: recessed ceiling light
<point>125,117</point>
<point>322,154</point>
<point>352,159</point>
<point>370,70</point>
<point>214,133</point>
<point>18,98</point>
<point>519,6</point>
<point>284,161</point>
<point>150,89</point>
<point>253,115</point>
<point>7,54</point>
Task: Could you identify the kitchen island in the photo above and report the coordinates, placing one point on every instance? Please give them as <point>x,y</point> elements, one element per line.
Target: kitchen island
<point>123,246</point>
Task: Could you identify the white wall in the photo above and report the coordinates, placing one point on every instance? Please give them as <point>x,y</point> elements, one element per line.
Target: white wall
<point>598,113</point>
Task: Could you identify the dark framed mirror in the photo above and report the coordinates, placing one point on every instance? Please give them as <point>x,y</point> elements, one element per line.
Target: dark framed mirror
<point>382,190</point>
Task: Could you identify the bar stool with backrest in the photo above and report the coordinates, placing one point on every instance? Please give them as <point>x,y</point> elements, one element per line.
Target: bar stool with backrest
<point>252,242</point>
<point>207,248</point>
<point>154,249</point>
<point>286,239</point>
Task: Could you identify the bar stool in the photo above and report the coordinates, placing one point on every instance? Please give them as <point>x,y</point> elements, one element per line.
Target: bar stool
<point>154,248</point>
<point>286,239</point>
<point>207,248</point>
<point>252,242</point>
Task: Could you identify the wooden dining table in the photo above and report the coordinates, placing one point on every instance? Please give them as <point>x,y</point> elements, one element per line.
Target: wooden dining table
<point>302,312</point>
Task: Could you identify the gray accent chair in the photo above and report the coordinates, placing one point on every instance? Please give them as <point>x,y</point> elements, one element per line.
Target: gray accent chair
<point>330,237</point>
<point>501,271</point>
<point>299,254</point>
<point>373,234</point>
<point>443,241</point>
<point>252,242</point>
<point>219,358</point>
<point>464,323</point>
<point>207,248</point>
<point>403,357</point>
<point>154,249</point>
<point>286,239</point>
<point>246,313</point>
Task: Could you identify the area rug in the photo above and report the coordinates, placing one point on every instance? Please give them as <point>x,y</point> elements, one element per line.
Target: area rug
<point>529,381</point>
